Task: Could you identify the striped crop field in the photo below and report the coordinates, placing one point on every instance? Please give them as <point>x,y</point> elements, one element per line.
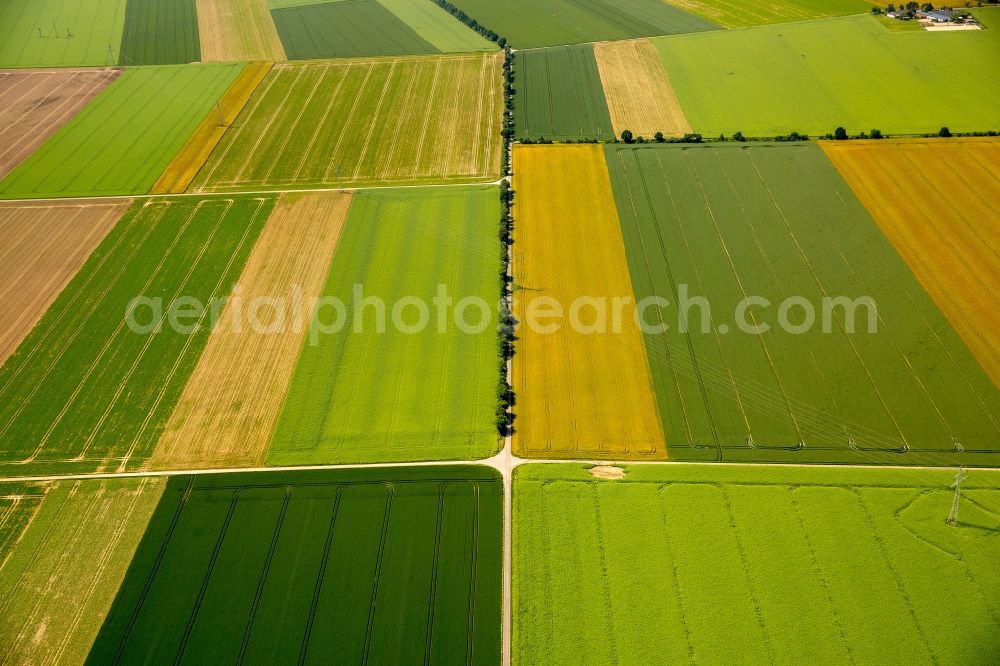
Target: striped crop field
<point>362,122</point>
<point>379,387</point>
<point>86,390</point>
<point>582,391</point>
<point>64,550</point>
<point>178,175</point>
<point>377,566</point>
<point>761,235</point>
<point>233,30</point>
<point>122,141</point>
<point>226,415</point>
<point>160,33</point>
<point>34,104</point>
<point>42,246</point>
<point>560,95</point>
<point>721,565</point>
<point>951,243</point>
<point>61,33</point>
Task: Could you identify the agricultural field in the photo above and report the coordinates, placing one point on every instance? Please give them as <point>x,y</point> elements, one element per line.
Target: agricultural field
<point>849,72</point>
<point>160,33</point>
<point>228,410</point>
<point>952,244</point>
<point>733,14</point>
<point>352,28</point>
<point>41,249</point>
<point>401,121</point>
<point>122,141</point>
<point>380,387</point>
<point>446,33</point>
<point>232,30</point>
<point>92,385</point>
<point>639,96</point>
<point>60,573</point>
<point>345,29</point>
<point>528,24</point>
<point>583,387</point>
<point>881,380</point>
<point>364,566</point>
<point>60,33</point>
<point>34,104</point>
<point>560,95</point>
<point>177,177</point>
<point>734,565</point>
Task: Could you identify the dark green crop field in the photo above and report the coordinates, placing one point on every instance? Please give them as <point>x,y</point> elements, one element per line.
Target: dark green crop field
<point>560,95</point>
<point>160,33</point>
<point>717,564</point>
<point>344,29</point>
<point>361,566</point>
<point>530,24</point>
<point>84,391</point>
<point>777,223</point>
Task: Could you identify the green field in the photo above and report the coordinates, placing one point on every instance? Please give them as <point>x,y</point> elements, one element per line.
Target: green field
<point>92,26</point>
<point>731,14</point>
<point>530,24</point>
<point>346,28</point>
<point>731,221</point>
<point>122,141</point>
<point>721,565</point>
<point>849,72</point>
<point>446,33</point>
<point>363,566</point>
<point>83,392</point>
<point>560,95</point>
<point>374,396</point>
<point>160,33</point>
<point>404,121</point>
<point>59,579</point>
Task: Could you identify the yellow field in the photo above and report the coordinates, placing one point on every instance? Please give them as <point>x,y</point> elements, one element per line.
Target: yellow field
<point>640,97</point>
<point>228,409</point>
<point>579,393</point>
<point>234,30</point>
<point>182,170</point>
<point>936,200</point>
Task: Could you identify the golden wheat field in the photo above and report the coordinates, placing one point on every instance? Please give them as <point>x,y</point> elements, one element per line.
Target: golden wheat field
<point>583,391</point>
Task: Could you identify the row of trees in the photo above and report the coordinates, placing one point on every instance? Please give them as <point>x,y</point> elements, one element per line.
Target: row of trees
<point>471,22</point>
<point>505,335</point>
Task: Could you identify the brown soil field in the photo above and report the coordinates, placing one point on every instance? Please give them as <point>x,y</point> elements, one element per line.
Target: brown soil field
<point>42,246</point>
<point>937,201</point>
<point>234,30</point>
<point>640,97</point>
<point>580,393</point>
<point>230,405</point>
<point>34,104</point>
<point>179,173</point>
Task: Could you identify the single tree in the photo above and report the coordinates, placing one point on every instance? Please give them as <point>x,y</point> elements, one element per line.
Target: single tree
<point>840,134</point>
<point>658,137</point>
<point>944,132</point>
<point>627,137</point>
<point>876,134</point>
<point>738,136</point>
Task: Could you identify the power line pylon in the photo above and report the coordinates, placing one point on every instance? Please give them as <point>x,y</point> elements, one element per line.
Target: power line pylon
<point>957,485</point>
